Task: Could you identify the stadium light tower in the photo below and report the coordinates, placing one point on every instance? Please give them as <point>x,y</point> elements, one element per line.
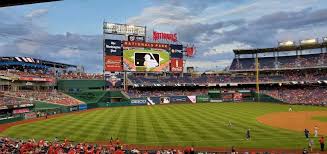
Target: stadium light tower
<point>286,44</point>
<point>309,41</point>
<point>324,39</point>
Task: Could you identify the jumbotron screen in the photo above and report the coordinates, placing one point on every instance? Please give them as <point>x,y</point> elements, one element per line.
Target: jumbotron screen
<point>146,60</point>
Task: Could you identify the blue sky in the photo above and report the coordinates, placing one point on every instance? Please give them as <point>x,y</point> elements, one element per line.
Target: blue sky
<point>70,31</point>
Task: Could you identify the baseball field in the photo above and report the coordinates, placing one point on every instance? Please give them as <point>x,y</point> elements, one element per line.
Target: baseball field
<point>204,124</point>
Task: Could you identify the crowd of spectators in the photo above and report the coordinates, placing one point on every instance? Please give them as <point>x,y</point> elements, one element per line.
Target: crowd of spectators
<point>48,74</point>
<point>81,76</point>
<point>15,146</point>
<point>26,73</point>
<point>303,61</point>
<point>7,100</point>
<point>9,145</point>
<point>307,95</point>
<point>53,97</point>
<point>205,79</point>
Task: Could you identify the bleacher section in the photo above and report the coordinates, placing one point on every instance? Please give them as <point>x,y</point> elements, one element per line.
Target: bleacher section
<point>52,97</point>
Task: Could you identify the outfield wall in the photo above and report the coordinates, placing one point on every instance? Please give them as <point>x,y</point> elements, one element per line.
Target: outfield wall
<point>80,85</point>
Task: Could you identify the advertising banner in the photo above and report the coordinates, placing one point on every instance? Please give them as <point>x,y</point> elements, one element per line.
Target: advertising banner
<point>202,98</point>
<point>113,63</point>
<point>139,101</point>
<point>146,60</point>
<point>19,111</point>
<point>164,100</point>
<point>176,65</point>
<point>73,108</point>
<point>178,99</point>
<point>145,45</point>
<point>238,96</point>
<point>145,101</point>
<point>192,99</point>
<point>30,115</point>
<point>153,100</point>
<point>176,51</point>
<point>134,38</point>
<point>36,79</point>
<point>82,107</point>
<point>113,47</point>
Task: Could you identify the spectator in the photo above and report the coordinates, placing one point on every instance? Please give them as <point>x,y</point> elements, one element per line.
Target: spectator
<point>322,143</point>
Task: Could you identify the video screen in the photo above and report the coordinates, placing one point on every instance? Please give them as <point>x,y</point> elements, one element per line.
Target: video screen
<point>146,60</point>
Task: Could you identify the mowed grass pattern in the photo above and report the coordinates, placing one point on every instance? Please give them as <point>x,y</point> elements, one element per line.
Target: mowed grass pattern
<point>182,124</point>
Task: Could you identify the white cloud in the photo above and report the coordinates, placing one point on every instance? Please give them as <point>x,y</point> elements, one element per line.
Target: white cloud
<point>225,29</point>
<point>224,48</point>
<point>256,9</point>
<point>37,13</point>
<point>165,15</point>
<point>68,53</point>
<point>27,47</point>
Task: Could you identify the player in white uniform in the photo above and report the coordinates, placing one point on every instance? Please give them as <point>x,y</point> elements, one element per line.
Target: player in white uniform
<point>316,131</point>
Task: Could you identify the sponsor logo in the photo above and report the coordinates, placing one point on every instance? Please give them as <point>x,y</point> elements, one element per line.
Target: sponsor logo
<point>109,62</point>
<point>139,101</point>
<point>113,47</point>
<point>179,100</point>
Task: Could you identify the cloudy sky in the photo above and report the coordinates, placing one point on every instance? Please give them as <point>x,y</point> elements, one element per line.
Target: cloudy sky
<point>70,31</point>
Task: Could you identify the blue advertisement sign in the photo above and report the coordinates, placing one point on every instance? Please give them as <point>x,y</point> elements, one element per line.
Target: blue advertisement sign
<point>82,107</point>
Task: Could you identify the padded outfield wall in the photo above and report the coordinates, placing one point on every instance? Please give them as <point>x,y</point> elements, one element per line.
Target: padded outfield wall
<point>80,85</point>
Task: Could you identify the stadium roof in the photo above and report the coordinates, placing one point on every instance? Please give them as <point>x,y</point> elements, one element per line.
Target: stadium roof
<point>280,49</point>
<point>28,61</point>
<point>5,3</point>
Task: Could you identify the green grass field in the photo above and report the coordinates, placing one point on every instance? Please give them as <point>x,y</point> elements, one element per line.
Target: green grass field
<point>323,119</point>
<point>184,124</point>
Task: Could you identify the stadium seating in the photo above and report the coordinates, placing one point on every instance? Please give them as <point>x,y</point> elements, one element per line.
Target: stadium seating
<point>8,100</point>
<point>303,61</point>
<point>206,79</point>
<point>307,95</point>
<point>52,97</point>
<point>81,76</point>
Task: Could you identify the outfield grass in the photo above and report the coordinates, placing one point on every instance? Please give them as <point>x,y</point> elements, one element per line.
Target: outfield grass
<point>323,119</point>
<point>185,124</point>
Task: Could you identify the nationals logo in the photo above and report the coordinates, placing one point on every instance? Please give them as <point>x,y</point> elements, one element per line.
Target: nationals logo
<point>164,36</point>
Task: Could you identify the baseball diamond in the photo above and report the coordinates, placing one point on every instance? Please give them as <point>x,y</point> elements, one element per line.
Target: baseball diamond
<point>163,77</point>
<point>185,124</point>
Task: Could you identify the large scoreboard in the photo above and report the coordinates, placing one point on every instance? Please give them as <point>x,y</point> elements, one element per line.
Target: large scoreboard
<point>135,56</point>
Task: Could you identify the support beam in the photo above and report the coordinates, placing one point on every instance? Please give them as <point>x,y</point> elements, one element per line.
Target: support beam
<point>6,3</point>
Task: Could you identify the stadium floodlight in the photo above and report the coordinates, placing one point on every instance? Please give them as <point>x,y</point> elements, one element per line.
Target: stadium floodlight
<point>324,39</point>
<point>309,42</point>
<point>286,44</point>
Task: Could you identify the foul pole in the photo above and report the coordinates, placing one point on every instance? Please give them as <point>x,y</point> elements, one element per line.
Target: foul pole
<point>257,77</point>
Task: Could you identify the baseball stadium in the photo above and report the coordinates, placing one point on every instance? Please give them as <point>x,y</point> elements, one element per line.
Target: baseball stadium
<point>146,100</point>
